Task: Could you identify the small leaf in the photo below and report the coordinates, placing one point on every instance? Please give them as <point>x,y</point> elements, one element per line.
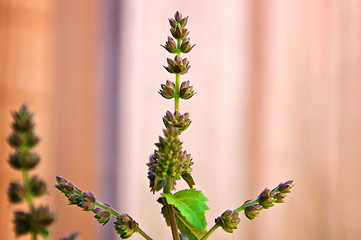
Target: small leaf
<point>191,204</point>
<point>165,215</point>
<point>189,179</point>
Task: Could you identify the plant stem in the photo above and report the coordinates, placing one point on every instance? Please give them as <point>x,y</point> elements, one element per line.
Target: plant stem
<point>177,75</point>
<point>241,208</point>
<point>176,97</point>
<point>28,196</point>
<point>142,233</point>
<point>214,228</point>
<point>170,210</point>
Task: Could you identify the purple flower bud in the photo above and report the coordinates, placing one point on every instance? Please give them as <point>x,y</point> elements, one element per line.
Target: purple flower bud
<point>252,211</point>
<point>178,16</point>
<point>229,220</point>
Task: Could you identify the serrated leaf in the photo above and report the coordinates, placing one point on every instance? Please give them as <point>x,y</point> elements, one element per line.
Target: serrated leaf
<point>189,179</point>
<point>191,204</point>
<point>187,229</point>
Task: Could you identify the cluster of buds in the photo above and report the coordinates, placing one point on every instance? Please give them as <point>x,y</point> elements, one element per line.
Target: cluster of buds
<point>180,122</point>
<point>252,211</point>
<point>267,199</point>
<point>180,33</point>
<point>22,140</point>
<point>229,220</point>
<point>36,221</point>
<point>186,91</point>
<point>178,65</point>
<point>169,160</point>
<point>125,226</point>
<point>84,200</point>
<point>167,90</point>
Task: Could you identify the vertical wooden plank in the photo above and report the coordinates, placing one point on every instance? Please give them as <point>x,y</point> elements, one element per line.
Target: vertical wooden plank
<point>48,60</point>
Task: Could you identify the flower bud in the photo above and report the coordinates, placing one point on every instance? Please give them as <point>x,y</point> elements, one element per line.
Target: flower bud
<point>101,215</point>
<point>22,120</point>
<point>167,90</point>
<point>280,197</point>
<point>37,186</point>
<point>31,140</point>
<point>186,91</point>
<point>229,220</point>
<point>25,161</point>
<point>74,198</point>
<point>125,226</point>
<point>177,120</point>
<point>170,45</point>
<point>60,179</point>
<point>86,206</point>
<point>252,211</point>
<point>22,223</point>
<point>15,140</point>
<point>177,65</point>
<point>266,199</point>
<point>285,187</point>
<point>183,22</point>
<point>89,197</point>
<point>16,192</point>
<point>41,219</point>
<point>172,22</point>
<point>178,16</point>
<point>186,46</point>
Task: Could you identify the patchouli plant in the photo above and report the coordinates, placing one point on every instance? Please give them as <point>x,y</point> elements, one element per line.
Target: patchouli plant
<point>184,210</point>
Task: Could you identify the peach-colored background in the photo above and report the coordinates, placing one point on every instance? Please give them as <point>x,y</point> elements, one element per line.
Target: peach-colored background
<point>279,97</point>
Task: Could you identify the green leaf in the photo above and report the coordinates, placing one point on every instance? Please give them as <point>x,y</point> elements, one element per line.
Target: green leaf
<point>188,229</point>
<point>184,226</point>
<point>189,179</point>
<point>191,204</point>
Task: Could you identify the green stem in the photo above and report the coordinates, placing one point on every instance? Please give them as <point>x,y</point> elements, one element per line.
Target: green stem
<point>170,209</point>
<point>28,196</point>
<point>176,96</point>
<point>241,208</point>
<point>214,228</point>
<point>177,75</point>
<point>142,233</point>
